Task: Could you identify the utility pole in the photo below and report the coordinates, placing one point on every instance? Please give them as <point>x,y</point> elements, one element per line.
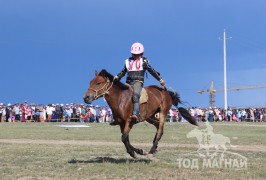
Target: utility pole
<point>225,77</point>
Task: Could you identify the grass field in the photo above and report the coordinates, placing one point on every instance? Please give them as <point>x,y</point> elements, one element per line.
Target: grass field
<point>46,151</point>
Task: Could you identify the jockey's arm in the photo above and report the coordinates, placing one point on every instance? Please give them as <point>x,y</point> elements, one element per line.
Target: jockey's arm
<point>154,73</point>
<point>122,73</point>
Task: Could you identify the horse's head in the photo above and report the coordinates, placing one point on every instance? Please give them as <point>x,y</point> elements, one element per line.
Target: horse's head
<point>99,85</point>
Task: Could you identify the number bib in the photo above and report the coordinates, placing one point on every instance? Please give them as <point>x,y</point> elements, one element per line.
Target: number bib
<point>134,65</point>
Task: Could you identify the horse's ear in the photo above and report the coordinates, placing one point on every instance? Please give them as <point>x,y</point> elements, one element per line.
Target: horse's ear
<point>102,73</point>
<point>96,73</point>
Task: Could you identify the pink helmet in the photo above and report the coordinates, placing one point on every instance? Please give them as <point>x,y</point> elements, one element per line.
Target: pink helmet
<point>137,48</point>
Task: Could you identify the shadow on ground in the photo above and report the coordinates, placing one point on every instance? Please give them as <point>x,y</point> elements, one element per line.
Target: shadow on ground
<point>109,160</point>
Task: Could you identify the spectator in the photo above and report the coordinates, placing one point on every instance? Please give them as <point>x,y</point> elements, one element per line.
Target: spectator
<point>16,111</point>
<point>97,114</point>
<point>261,115</point>
<point>229,114</point>
<point>49,111</point>
<point>78,113</point>
<point>82,113</point>
<point>216,114</point>
<point>68,112</point>
<point>200,114</point>
<point>44,114</point>
<point>243,115</point>
<point>110,115</point>
<point>59,112</point>
<point>54,117</point>
<point>93,114</point>
<point>8,113</point>
<point>103,114</point>
<point>23,112</point>
<point>234,115</point>
<point>25,104</point>
<point>1,111</point>
<point>73,112</point>
<point>251,115</point>
<point>40,112</point>
<point>171,114</point>
<point>33,111</point>
<point>2,119</point>
<point>210,114</point>
<point>28,113</point>
<point>89,116</point>
<point>192,112</point>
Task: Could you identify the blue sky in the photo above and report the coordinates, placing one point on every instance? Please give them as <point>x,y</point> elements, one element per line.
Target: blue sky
<point>49,49</point>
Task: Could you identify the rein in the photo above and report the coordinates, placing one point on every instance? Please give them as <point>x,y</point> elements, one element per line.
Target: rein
<point>106,91</point>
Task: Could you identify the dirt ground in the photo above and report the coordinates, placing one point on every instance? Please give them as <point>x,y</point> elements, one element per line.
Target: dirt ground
<point>252,148</point>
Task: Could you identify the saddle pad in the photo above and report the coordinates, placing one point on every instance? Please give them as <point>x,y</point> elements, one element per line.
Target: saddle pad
<point>144,96</point>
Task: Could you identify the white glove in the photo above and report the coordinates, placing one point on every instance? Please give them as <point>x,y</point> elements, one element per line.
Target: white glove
<point>116,78</point>
<point>162,82</point>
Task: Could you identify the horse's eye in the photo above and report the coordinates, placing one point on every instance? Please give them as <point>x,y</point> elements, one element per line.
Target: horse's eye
<point>98,83</point>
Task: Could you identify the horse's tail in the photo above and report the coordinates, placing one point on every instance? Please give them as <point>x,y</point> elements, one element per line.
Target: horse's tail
<point>184,113</point>
<point>175,98</point>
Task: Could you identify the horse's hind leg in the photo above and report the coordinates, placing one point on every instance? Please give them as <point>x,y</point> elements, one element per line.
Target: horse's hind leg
<point>159,133</point>
<point>153,120</point>
<point>125,129</point>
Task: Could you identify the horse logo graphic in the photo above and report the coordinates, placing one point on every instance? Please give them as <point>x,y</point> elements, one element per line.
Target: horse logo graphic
<point>209,142</point>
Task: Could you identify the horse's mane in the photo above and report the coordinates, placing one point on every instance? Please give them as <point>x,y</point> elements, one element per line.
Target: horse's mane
<point>106,74</point>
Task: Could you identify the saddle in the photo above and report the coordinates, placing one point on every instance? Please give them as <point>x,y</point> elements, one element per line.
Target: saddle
<point>144,95</point>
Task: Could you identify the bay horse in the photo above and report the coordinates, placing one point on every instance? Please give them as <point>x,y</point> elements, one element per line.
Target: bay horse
<point>119,98</point>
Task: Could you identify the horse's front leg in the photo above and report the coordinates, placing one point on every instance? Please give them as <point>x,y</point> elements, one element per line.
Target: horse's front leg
<point>158,135</point>
<point>125,129</point>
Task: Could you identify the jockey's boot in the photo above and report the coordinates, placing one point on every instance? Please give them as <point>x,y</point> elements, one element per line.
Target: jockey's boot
<point>136,114</point>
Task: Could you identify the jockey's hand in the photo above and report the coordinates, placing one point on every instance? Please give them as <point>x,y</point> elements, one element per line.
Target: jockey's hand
<point>162,82</point>
<point>128,85</point>
<point>115,78</point>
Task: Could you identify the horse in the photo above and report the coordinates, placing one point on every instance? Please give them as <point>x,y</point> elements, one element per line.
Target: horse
<point>119,98</point>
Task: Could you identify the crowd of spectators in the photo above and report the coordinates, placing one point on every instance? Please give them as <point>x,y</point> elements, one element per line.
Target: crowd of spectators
<point>23,112</point>
<point>72,112</point>
<point>219,114</point>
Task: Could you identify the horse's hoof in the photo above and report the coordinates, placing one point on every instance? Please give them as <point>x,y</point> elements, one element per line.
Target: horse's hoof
<point>144,152</point>
<point>133,155</point>
<point>150,156</point>
<point>113,123</point>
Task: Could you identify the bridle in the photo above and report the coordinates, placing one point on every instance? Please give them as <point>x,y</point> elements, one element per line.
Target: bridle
<point>105,89</point>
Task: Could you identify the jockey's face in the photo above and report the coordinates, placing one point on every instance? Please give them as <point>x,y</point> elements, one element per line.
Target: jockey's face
<point>137,56</point>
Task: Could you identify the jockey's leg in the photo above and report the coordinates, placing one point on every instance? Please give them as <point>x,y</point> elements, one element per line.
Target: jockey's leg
<point>137,87</point>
